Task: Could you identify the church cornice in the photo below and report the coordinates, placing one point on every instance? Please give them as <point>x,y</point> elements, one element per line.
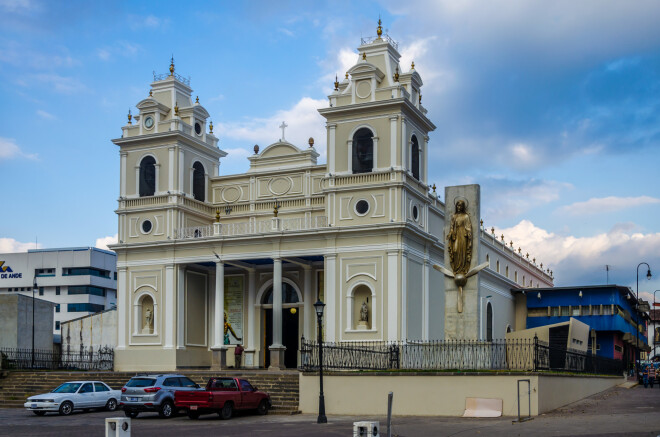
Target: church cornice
<point>166,139</point>
<point>385,105</point>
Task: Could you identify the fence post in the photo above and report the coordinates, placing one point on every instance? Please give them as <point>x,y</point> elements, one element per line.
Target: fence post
<point>536,352</point>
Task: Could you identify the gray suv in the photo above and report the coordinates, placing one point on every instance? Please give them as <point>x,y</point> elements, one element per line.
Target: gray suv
<point>153,392</point>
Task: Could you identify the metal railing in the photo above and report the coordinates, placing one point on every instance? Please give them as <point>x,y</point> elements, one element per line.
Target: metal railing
<point>371,39</point>
<point>253,227</point>
<point>17,359</point>
<point>194,232</point>
<point>158,77</point>
<point>513,355</point>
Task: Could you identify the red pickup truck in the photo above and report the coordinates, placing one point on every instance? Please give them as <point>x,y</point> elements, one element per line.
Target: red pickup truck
<point>223,396</point>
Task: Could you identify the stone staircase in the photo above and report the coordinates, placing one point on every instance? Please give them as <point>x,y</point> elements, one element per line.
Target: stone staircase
<point>17,386</point>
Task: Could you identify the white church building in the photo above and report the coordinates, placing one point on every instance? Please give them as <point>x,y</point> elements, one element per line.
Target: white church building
<point>207,260</point>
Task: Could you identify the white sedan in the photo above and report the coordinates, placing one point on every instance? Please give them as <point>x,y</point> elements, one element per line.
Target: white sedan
<point>74,395</point>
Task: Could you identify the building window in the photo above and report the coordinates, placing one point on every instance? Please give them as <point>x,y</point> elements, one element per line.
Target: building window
<point>84,308</point>
<point>84,271</point>
<point>363,151</point>
<point>515,276</point>
<point>41,291</point>
<point>57,290</point>
<point>414,157</point>
<point>507,271</point>
<point>57,326</point>
<point>575,311</point>
<point>497,268</point>
<point>618,348</point>
<point>564,311</point>
<point>86,289</point>
<point>199,185</point>
<point>147,176</point>
<point>607,310</point>
<point>115,276</point>
<point>554,311</point>
<point>489,322</point>
<point>537,312</point>
<point>45,272</point>
<point>585,311</point>
<point>57,308</point>
<point>289,294</point>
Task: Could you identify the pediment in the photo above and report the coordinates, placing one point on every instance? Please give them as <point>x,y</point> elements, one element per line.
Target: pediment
<point>279,149</point>
<point>151,104</point>
<point>281,155</point>
<point>364,70</point>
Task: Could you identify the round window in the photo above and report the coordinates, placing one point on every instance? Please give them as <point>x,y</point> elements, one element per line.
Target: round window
<point>415,212</point>
<point>198,128</point>
<point>146,226</point>
<point>362,207</point>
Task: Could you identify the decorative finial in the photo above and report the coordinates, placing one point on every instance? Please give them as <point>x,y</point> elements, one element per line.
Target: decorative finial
<point>481,223</point>
<point>396,74</point>
<point>527,255</point>
<point>364,56</point>
<point>534,260</point>
<point>336,83</point>
<point>130,117</point>
<point>502,237</point>
<point>434,187</point>
<point>541,265</point>
<point>492,230</point>
<point>551,273</point>
<point>176,108</point>
<point>197,99</point>
<point>172,66</point>
<point>256,149</point>
<point>217,216</point>
<point>211,127</point>
<point>420,98</point>
<point>412,66</point>
<point>379,31</point>
<point>511,244</point>
<point>276,209</point>
<point>311,142</point>
<point>347,75</point>
<point>519,250</point>
<point>151,93</point>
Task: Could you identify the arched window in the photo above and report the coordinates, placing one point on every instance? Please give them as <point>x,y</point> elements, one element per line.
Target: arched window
<point>489,322</point>
<point>289,294</point>
<point>199,185</point>
<point>507,271</point>
<point>498,266</point>
<point>363,151</point>
<point>147,176</point>
<point>414,157</point>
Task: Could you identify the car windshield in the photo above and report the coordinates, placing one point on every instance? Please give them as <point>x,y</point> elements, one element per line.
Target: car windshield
<point>141,382</point>
<point>67,387</point>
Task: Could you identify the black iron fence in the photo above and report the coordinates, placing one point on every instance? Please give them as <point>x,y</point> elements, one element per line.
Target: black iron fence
<point>513,355</point>
<point>17,359</point>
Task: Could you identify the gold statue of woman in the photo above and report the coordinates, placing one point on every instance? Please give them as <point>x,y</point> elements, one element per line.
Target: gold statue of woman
<point>460,240</point>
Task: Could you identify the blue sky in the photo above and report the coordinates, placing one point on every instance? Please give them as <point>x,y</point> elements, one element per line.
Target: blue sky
<point>553,107</point>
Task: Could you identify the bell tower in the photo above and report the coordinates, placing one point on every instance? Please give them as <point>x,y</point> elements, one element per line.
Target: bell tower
<point>377,136</point>
<point>168,155</point>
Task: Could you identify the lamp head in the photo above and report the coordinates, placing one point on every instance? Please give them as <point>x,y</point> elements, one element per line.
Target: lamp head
<point>318,307</point>
<point>580,294</point>
<point>539,295</point>
<point>648,274</point>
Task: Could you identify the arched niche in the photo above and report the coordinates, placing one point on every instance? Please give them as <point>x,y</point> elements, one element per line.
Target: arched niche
<point>145,314</point>
<point>361,307</point>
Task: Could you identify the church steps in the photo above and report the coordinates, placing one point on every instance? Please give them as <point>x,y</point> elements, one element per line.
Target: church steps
<point>19,385</point>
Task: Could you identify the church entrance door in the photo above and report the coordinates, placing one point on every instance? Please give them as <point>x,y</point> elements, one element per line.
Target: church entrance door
<point>289,336</point>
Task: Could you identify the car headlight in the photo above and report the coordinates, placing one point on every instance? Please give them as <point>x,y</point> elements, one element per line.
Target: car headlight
<point>48,400</point>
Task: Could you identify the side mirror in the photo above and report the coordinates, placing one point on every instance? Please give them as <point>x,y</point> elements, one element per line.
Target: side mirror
<point>254,388</point>
<point>196,385</point>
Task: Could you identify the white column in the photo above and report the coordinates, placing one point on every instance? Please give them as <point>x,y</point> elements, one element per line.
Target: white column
<point>393,120</point>
<point>332,131</point>
<point>374,164</point>
<point>330,296</point>
<point>277,302</point>
<point>425,301</point>
<point>169,313</point>
<point>137,180</point>
<point>308,297</point>
<point>404,296</point>
<point>251,319</point>
<point>349,148</point>
<point>180,187</point>
<point>123,308</point>
<point>180,308</point>
<point>122,183</point>
<point>392,295</point>
<point>170,176</point>
<point>425,161</point>
<point>219,315</point>
<point>404,145</point>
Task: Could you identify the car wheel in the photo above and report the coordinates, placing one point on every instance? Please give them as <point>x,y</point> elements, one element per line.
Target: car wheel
<point>131,414</point>
<point>66,408</point>
<point>194,415</point>
<point>166,410</point>
<point>39,413</point>
<point>227,411</point>
<point>111,405</point>
<point>262,409</point>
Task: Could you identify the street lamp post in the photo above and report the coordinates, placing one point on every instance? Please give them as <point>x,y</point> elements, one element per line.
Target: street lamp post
<point>654,320</point>
<point>34,289</point>
<point>319,306</point>
<point>648,276</point>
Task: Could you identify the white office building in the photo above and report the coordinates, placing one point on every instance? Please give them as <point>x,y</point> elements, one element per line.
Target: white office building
<point>78,280</point>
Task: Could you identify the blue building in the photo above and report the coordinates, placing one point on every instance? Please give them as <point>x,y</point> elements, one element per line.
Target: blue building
<point>617,330</point>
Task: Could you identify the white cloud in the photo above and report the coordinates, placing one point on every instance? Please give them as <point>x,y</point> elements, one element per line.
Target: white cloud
<point>20,6</point>
<point>121,48</point>
<point>103,242</point>
<point>583,259</point>
<point>9,149</point>
<point>10,245</point>
<point>217,98</point>
<point>60,84</point>
<point>303,122</point>
<point>46,115</point>
<point>286,32</point>
<point>150,22</point>
<point>607,204</point>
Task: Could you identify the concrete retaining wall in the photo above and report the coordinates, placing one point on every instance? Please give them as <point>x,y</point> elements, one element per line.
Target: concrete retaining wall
<point>443,394</point>
<point>93,331</point>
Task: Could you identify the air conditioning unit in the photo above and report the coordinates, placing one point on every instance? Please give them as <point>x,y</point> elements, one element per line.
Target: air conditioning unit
<point>366,429</point>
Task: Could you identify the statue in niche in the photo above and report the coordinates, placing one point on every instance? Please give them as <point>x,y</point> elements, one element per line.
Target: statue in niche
<point>459,248</point>
<point>148,321</point>
<point>364,312</point>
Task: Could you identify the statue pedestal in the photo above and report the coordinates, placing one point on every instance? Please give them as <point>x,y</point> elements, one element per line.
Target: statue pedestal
<point>276,357</point>
<point>219,358</point>
<point>146,330</point>
<point>362,326</point>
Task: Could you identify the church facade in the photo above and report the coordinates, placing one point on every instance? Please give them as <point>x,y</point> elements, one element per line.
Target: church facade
<point>207,261</point>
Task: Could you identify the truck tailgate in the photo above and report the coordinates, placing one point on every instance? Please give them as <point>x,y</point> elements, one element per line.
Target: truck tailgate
<point>187,398</point>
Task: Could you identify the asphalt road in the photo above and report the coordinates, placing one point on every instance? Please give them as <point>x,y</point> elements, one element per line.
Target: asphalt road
<point>616,412</point>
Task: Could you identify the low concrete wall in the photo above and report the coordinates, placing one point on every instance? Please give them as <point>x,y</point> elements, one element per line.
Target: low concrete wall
<point>90,332</point>
<point>443,394</point>
<point>16,322</point>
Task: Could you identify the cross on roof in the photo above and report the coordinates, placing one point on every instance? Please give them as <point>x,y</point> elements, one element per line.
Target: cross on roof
<point>283,126</point>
